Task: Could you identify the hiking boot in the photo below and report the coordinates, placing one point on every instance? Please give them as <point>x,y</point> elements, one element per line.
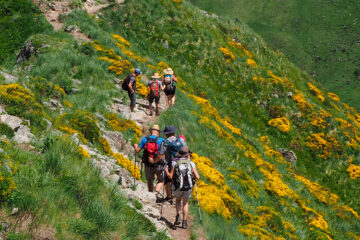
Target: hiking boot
<point>151,113</point>
<point>157,113</point>
<point>159,199</point>
<point>177,220</point>
<point>169,199</point>
<point>184,224</point>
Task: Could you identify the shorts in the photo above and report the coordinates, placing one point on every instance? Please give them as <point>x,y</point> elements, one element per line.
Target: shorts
<point>170,92</point>
<point>182,194</point>
<point>152,98</point>
<point>167,180</point>
<point>151,171</point>
<point>132,99</point>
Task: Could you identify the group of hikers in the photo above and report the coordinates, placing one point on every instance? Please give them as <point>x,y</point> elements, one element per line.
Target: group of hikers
<point>166,82</point>
<point>169,159</point>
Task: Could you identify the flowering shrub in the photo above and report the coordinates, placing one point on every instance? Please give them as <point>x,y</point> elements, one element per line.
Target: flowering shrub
<point>354,171</point>
<point>333,97</point>
<point>106,146</point>
<point>70,131</point>
<point>229,56</point>
<point>299,98</point>
<point>118,124</point>
<point>122,43</point>
<point>316,92</point>
<point>282,124</point>
<point>320,119</point>
<point>275,79</point>
<point>206,167</point>
<point>250,62</point>
<point>84,153</point>
<point>7,169</point>
<point>241,47</point>
<point>81,121</point>
<point>325,145</point>
<point>68,104</point>
<point>21,102</point>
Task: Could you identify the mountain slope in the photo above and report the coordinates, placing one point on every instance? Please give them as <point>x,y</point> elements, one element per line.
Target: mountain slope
<point>318,36</point>
<point>245,110</point>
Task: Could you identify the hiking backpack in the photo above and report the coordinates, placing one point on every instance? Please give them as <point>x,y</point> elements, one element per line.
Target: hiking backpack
<point>154,88</point>
<point>168,81</point>
<point>183,179</point>
<point>174,147</point>
<point>151,149</point>
<point>125,83</point>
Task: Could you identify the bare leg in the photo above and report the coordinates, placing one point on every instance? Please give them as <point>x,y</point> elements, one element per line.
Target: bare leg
<point>168,190</point>
<point>185,208</point>
<point>150,108</point>
<point>169,100</point>
<point>173,100</point>
<point>178,205</point>
<point>157,109</point>
<point>158,186</point>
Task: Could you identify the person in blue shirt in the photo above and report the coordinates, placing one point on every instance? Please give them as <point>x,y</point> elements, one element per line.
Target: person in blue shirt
<point>153,166</point>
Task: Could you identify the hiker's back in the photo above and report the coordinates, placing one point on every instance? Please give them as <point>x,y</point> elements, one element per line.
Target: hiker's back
<point>151,147</point>
<point>183,179</point>
<point>173,145</point>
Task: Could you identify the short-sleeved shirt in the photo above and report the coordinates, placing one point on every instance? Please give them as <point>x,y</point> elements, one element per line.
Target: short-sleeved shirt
<point>132,82</point>
<point>159,82</point>
<point>163,148</point>
<point>144,140</point>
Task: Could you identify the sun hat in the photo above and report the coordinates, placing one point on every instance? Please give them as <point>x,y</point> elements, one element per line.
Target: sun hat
<point>156,76</point>
<point>169,129</point>
<point>183,152</point>
<point>168,71</point>
<point>138,71</point>
<point>155,127</point>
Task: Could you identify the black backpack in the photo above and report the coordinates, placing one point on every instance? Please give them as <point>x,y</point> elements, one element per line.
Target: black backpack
<point>173,147</point>
<point>125,83</point>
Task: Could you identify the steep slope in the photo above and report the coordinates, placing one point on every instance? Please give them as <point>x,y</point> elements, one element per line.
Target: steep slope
<point>318,36</point>
<point>277,155</point>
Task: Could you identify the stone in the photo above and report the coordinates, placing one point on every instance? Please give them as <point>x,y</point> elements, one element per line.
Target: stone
<point>104,171</point>
<point>26,52</point>
<point>12,121</point>
<point>2,110</point>
<point>128,149</point>
<point>76,82</point>
<point>14,211</point>
<point>75,138</point>
<point>289,94</point>
<point>114,178</point>
<point>71,28</point>
<point>117,81</point>
<point>289,156</point>
<point>23,135</point>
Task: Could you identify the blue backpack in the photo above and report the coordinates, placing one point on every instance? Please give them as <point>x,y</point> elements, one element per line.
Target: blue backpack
<point>174,147</point>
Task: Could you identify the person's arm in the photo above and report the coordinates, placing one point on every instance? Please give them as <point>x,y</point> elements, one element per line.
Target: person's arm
<point>162,87</point>
<point>196,174</point>
<point>131,83</point>
<point>174,78</point>
<point>161,154</point>
<point>171,173</point>
<point>137,147</point>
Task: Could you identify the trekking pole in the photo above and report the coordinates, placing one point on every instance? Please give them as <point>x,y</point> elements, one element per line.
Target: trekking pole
<point>162,202</point>
<point>134,165</point>
<point>198,202</point>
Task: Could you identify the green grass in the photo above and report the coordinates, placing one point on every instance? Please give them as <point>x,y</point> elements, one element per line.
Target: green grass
<point>317,36</point>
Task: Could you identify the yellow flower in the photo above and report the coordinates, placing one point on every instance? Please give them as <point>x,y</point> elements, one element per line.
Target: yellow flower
<point>118,124</point>
<point>241,47</point>
<point>282,124</point>
<point>299,98</point>
<point>333,96</point>
<point>84,152</point>
<point>229,56</point>
<point>354,171</point>
<point>250,62</point>
<point>316,92</point>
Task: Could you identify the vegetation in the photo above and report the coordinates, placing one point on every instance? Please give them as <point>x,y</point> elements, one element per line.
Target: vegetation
<point>239,104</point>
<point>318,36</point>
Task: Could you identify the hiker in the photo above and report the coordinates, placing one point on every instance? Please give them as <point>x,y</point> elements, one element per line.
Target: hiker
<point>154,87</point>
<point>169,79</point>
<point>169,147</point>
<point>153,166</point>
<point>182,174</point>
<point>129,85</point>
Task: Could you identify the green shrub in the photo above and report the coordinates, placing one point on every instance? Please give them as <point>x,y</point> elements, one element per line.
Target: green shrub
<point>6,130</point>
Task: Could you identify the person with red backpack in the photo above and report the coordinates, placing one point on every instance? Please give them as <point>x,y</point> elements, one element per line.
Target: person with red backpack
<point>154,87</point>
<point>153,166</point>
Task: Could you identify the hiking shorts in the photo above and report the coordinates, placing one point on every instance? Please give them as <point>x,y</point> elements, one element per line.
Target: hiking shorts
<point>170,92</point>
<point>151,171</point>
<point>182,194</point>
<point>132,99</point>
<point>152,98</point>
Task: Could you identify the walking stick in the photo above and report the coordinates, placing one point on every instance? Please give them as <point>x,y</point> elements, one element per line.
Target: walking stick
<point>198,201</point>
<point>162,202</point>
<point>134,166</point>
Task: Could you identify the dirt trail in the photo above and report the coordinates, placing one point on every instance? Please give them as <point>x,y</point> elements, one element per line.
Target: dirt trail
<point>52,11</point>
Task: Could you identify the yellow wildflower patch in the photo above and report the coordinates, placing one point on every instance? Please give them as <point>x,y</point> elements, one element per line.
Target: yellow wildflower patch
<point>354,171</point>
<point>282,124</point>
<point>206,167</point>
<point>118,124</point>
<point>333,97</point>
<point>229,56</point>
<point>325,145</point>
<point>316,92</point>
<point>70,131</point>
<point>68,104</point>
<point>299,98</point>
<point>250,62</point>
<point>320,119</point>
<point>84,152</point>
<point>276,79</point>
<point>127,164</point>
<point>121,39</point>
<point>241,47</point>
<point>241,177</point>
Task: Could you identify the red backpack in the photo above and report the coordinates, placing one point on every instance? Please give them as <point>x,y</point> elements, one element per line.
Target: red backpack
<point>154,88</point>
<point>151,149</point>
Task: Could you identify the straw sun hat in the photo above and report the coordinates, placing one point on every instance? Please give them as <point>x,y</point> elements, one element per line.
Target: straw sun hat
<point>169,71</point>
<point>156,76</point>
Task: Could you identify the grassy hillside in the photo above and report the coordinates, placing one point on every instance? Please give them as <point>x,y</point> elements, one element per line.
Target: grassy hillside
<point>239,103</point>
<point>318,36</point>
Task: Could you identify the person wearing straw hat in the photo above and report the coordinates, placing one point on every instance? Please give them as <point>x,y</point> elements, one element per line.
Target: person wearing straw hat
<point>182,174</point>
<point>154,86</point>
<point>169,79</point>
<point>153,166</point>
